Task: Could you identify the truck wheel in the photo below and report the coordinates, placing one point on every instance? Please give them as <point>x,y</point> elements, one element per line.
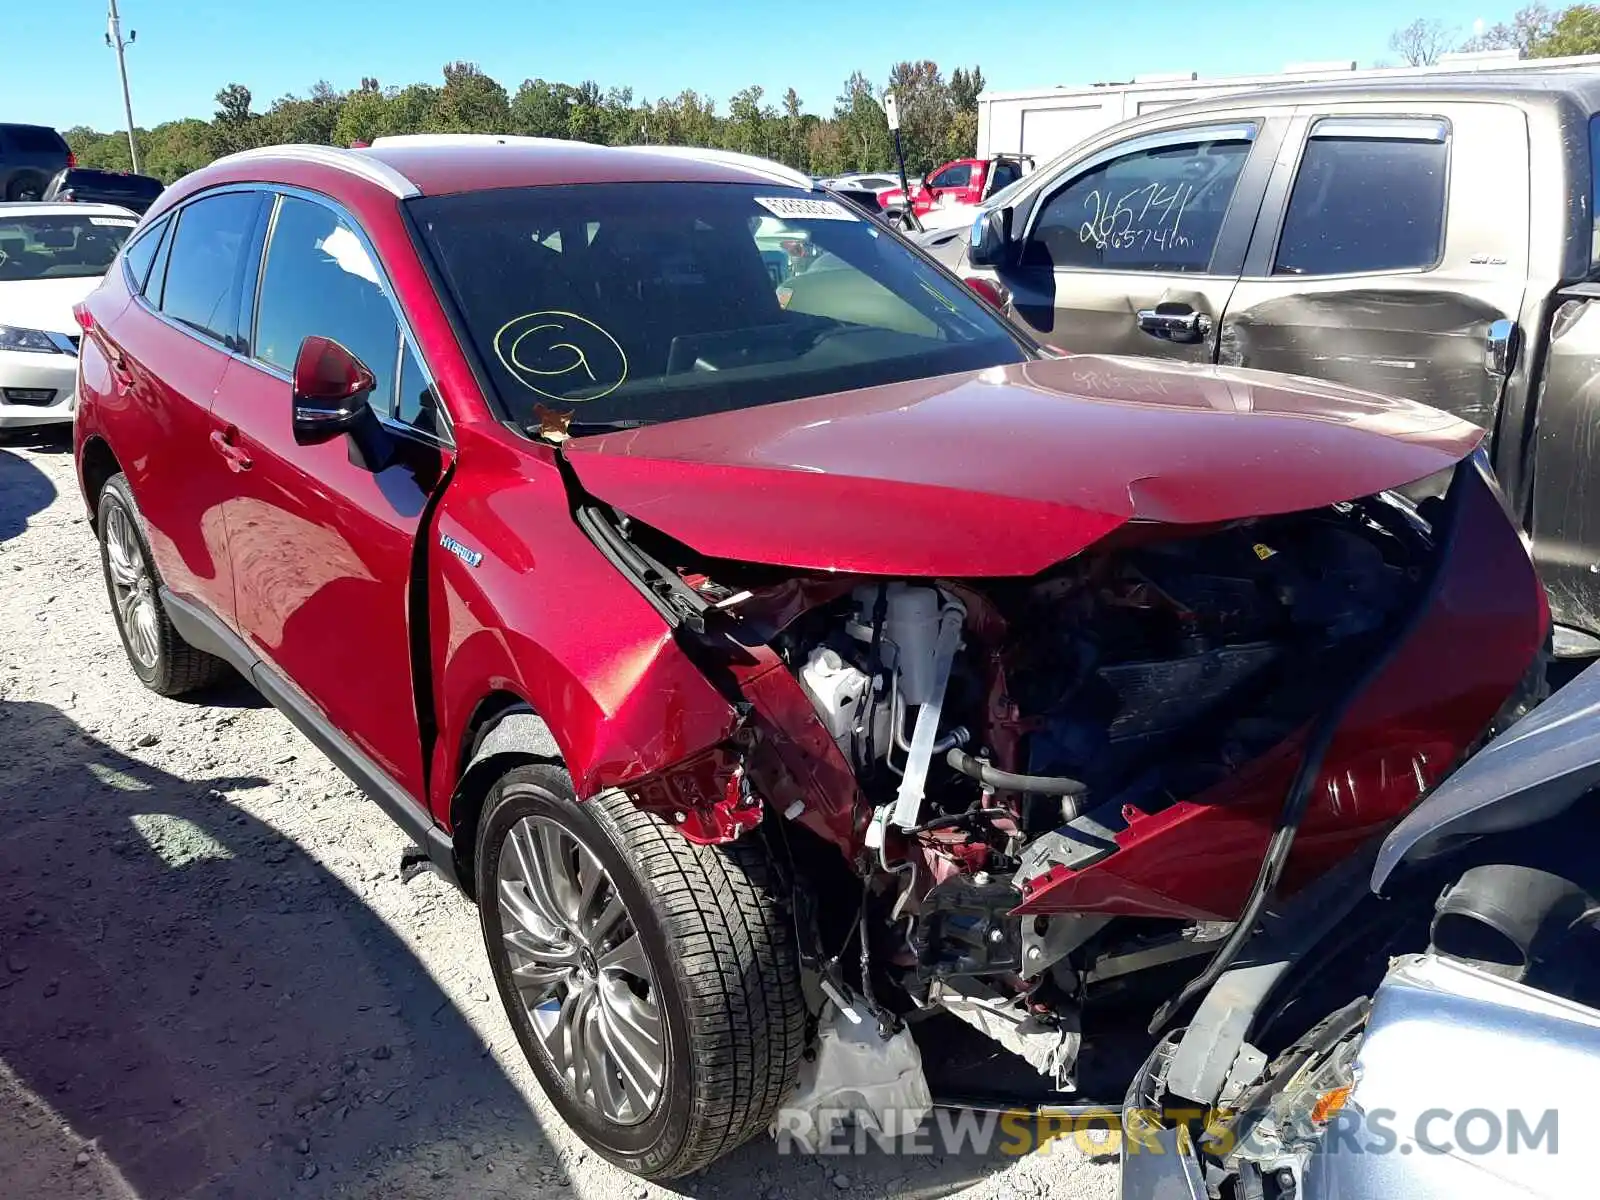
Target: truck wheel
<point>653,983</point>
<point>163,661</point>
<point>26,187</point>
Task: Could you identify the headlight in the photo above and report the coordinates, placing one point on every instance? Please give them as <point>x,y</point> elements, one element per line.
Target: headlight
<point>37,341</point>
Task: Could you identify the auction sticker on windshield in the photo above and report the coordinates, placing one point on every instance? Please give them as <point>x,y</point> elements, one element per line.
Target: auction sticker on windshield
<point>799,208</point>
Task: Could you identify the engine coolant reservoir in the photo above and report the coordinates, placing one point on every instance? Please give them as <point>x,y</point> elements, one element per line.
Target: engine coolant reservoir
<point>911,634</point>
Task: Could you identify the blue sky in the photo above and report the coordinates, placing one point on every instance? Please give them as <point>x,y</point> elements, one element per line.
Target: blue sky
<point>59,72</point>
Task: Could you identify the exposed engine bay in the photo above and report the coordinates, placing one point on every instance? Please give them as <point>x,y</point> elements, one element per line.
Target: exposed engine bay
<point>1001,733</point>
<point>1000,729</point>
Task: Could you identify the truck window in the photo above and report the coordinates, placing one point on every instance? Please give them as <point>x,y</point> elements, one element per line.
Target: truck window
<point>1594,199</point>
<point>1157,209</point>
<point>1369,197</point>
<point>958,176</point>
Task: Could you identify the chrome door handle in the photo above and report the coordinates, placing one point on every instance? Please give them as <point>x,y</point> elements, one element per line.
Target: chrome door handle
<point>1188,326</point>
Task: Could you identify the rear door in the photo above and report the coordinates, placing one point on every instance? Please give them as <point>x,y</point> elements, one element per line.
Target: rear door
<point>321,537</point>
<point>166,353</point>
<point>1381,260</point>
<point>1136,249</point>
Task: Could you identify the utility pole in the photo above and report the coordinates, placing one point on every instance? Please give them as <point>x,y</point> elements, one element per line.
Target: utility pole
<point>114,40</point>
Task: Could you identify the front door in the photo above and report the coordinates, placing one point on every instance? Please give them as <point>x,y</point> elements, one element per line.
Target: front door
<point>321,539</point>
<point>1389,244</point>
<point>1137,249</point>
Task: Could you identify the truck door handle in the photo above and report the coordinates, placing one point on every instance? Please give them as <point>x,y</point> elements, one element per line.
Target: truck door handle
<point>1175,326</point>
<point>223,441</point>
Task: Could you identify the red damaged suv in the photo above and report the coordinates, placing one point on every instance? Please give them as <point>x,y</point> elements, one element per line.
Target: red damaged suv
<point>772,639</point>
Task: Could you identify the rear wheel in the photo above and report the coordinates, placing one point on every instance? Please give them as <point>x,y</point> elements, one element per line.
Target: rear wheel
<point>28,187</point>
<point>163,661</point>
<point>652,983</point>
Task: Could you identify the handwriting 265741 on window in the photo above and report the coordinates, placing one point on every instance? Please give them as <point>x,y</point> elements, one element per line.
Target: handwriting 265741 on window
<point>1148,216</point>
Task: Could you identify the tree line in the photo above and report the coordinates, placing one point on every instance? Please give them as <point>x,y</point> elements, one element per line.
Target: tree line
<point>1535,31</point>
<point>938,120</point>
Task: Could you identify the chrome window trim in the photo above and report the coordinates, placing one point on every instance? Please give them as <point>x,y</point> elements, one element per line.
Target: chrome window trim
<point>353,162</point>
<point>407,336</point>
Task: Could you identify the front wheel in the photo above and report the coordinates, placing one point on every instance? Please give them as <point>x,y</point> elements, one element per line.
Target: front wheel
<point>653,983</point>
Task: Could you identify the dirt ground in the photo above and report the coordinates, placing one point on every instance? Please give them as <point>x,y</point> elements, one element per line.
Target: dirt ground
<point>213,980</point>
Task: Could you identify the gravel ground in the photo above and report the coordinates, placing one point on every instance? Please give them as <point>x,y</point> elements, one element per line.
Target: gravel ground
<point>214,982</point>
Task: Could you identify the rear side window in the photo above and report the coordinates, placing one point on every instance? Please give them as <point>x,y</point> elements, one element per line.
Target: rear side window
<point>206,264</point>
<point>319,279</point>
<point>33,139</point>
<point>141,252</point>
<point>1159,208</point>
<point>1369,197</point>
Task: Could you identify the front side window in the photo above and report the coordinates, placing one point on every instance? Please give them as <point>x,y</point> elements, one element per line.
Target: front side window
<point>958,176</point>
<point>1369,196</point>
<point>59,247</point>
<point>1156,209</point>
<point>205,267</point>
<point>638,302</point>
<point>319,279</point>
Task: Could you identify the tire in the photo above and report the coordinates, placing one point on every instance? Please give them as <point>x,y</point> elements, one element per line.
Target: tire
<point>708,947</point>
<point>26,187</point>
<point>163,661</point>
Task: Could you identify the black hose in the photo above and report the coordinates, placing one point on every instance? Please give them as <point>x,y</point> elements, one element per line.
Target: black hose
<point>960,818</point>
<point>1298,798</point>
<point>1006,781</point>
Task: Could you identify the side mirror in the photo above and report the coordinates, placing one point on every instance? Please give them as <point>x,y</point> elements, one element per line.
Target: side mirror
<point>331,387</point>
<point>989,243</point>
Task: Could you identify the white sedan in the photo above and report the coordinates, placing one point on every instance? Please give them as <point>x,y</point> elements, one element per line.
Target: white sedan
<point>51,256</point>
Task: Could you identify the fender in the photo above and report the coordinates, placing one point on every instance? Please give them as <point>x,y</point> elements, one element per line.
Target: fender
<point>596,663</point>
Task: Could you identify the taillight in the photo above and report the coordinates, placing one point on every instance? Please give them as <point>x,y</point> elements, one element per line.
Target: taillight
<point>81,314</point>
<point>72,159</point>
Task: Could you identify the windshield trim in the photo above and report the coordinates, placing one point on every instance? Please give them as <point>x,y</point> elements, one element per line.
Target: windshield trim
<point>489,390</point>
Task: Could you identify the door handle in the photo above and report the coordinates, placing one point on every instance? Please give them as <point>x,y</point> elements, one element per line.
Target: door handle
<point>1175,326</point>
<point>235,456</point>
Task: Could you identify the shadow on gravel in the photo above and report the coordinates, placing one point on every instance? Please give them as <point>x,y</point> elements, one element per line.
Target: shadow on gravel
<point>210,1006</point>
<point>27,491</point>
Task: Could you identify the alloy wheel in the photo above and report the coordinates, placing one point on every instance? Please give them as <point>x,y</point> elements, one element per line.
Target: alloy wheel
<point>581,971</point>
<point>132,588</point>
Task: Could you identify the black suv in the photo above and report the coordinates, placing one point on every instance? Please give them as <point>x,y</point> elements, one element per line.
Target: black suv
<point>87,186</point>
<point>30,156</point>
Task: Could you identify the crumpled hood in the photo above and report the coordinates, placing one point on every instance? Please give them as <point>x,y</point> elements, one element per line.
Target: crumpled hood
<point>44,303</point>
<point>1008,470</point>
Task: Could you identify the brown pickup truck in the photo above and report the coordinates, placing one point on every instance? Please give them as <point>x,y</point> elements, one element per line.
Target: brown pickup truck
<point>1430,239</point>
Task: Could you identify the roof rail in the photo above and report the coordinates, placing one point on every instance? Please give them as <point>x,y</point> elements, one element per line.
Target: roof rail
<point>464,139</point>
<point>371,169</point>
<point>775,171</point>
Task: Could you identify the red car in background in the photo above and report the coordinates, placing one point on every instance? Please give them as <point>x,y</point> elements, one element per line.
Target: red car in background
<point>744,629</point>
<point>961,184</point>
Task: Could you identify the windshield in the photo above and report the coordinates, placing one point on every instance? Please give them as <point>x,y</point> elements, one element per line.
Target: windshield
<point>59,246</point>
<point>640,302</point>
